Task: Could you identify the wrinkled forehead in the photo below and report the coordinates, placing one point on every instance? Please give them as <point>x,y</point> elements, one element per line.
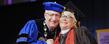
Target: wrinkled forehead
<point>51,11</point>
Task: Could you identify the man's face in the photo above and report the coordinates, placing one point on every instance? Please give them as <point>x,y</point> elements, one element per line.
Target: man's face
<point>52,18</point>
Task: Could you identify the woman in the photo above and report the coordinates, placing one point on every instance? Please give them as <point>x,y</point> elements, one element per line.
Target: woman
<point>70,34</point>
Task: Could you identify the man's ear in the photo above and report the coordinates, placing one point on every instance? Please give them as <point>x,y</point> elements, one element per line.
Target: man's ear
<point>45,16</point>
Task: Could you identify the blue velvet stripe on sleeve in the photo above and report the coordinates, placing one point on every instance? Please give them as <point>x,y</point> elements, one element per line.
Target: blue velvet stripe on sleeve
<point>30,29</point>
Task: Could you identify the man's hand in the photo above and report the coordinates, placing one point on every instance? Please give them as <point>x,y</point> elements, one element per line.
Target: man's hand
<point>50,41</point>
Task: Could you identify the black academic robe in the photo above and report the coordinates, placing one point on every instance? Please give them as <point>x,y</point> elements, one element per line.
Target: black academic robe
<point>83,36</point>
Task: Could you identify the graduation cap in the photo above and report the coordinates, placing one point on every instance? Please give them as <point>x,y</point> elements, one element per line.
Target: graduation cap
<point>53,6</point>
<point>72,8</point>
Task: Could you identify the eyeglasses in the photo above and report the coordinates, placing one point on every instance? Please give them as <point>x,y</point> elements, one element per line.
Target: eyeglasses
<point>66,16</point>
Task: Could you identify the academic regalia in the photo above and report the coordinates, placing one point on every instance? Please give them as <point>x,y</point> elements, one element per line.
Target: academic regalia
<point>85,35</point>
<point>67,38</point>
<point>52,34</point>
<point>78,36</point>
<point>29,33</point>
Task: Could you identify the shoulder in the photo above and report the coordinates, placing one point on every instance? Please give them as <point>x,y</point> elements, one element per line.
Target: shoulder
<point>31,21</point>
<point>82,31</point>
<point>83,28</point>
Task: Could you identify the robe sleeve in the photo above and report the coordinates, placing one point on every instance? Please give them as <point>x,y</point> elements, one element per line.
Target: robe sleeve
<point>87,37</point>
<point>28,33</point>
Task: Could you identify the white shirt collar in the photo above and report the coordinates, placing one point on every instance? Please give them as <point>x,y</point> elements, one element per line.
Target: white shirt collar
<point>64,31</point>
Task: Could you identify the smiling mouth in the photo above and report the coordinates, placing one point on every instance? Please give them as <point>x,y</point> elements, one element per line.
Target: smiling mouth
<point>53,22</point>
<point>65,22</point>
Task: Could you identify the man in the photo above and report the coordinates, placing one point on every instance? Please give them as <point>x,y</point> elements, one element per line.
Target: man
<point>31,32</point>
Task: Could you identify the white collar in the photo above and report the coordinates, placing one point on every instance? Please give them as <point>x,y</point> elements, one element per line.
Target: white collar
<point>64,31</point>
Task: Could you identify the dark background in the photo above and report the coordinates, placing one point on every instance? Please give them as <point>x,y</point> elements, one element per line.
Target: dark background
<point>14,16</point>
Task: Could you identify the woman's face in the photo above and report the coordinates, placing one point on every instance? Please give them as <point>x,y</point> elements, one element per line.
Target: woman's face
<point>66,20</point>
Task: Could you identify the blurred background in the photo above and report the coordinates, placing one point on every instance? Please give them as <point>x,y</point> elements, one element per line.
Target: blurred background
<point>15,13</point>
